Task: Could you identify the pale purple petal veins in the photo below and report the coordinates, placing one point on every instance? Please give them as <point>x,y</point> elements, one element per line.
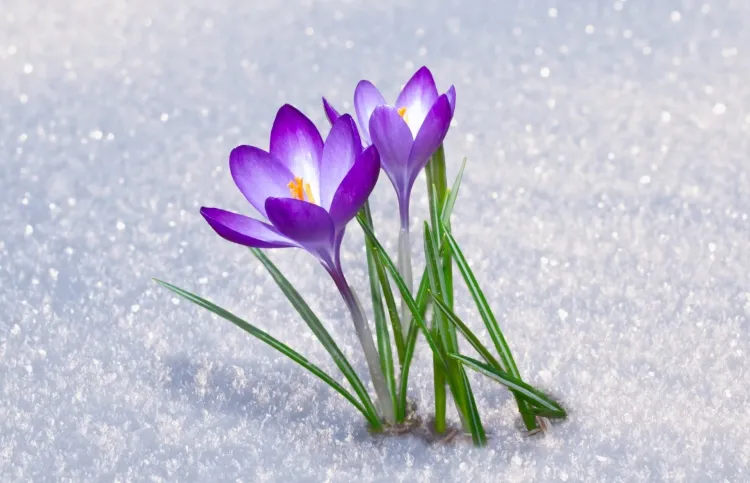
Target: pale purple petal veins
<point>341,148</point>
<point>258,175</point>
<point>355,188</point>
<point>296,142</point>
<point>331,113</point>
<point>451,94</point>
<point>244,230</point>
<point>307,224</point>
<point>366,98</point>
<point>417,96</point>
<point>392,137</point>
<point>430,136</point>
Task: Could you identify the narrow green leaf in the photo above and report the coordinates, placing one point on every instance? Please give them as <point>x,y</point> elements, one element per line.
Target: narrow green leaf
<point>490,322</point>
<point>439,381</point>
<point>317,328</point>
<point>279,346</point>
<point>422,298</point>
<point>450,200</point>
<point>547,407</point>
<point>390,303</point>
<point>480,348</point>
<point>410,302</point>
<point>484,309</point>
<point>411,343</point>
<point>478,435</point>
<point>455,376</point>
<point>473,340</point>
<point>381,328</point>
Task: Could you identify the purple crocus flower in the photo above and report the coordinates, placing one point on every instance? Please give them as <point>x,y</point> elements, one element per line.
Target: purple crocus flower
<point>308,190</point>
<point>406,134</point>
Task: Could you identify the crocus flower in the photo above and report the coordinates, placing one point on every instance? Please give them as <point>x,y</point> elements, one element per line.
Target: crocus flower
<point>407,133</point>
<point>308,190</point>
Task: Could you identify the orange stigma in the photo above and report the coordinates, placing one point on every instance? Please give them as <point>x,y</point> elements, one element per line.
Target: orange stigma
<point>298,188</point>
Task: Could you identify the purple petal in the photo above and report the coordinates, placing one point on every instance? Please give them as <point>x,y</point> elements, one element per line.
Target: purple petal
<point>392,137</point>
<point>245,231</point>
<point>430,136</point>
<point>451,93</point>
<point>258,175</point>
<point>331,113</point>
<point>355,187</point>
<point>341,149</point>
<point>417,96</point>
<point>307,224</point>
<point>366,98</point>
<point>296,142</point>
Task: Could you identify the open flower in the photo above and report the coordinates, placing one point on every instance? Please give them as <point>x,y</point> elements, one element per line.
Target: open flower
<point>308,190</point>
<point>406,134</point>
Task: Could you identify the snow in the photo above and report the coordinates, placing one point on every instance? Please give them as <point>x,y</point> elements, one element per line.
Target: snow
<point>605,211</point>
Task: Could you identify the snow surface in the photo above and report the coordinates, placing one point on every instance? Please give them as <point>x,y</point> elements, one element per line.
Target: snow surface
<point>605,210</point>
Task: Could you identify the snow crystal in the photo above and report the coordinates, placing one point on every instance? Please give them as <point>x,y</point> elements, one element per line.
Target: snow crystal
<point>605,211</point>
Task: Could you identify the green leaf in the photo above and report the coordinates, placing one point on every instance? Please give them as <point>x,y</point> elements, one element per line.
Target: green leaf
<point>478,435</point>
<point>490,322</point>
<point>457,381</point>
<point>479,347</point>
<point>317,328</point>
<point>381,328</point>
<point>450,201</point>
<point>439,381</point>
<point>484,309</point>
<point>390,303</point>
<point>279,346</point>
<point>408,298</point>
<point>411,343</point>
<point>422,298</point>
<point>546,406</point>
<point>473,340</point>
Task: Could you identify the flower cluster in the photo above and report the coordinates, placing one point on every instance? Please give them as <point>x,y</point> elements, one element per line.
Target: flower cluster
<point>307,189</point>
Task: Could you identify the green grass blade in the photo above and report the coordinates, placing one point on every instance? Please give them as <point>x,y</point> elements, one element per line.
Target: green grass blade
<point>498,339</point>
<point>422,298</point>
<point>439,382</point>
<point>410,302</point>
<point>381,327</point>
<point>478,435</point>
<point>478,346</point>
<point>457,381</point>
<point>411,343</point>
<point>439,376</point>
<point>390,303</point>
<point>473,340</point>
<point>317,328</point>
<point>546,406</point>
<point>450,200</point>
<point>417,312</point>
<point>279,346</point>
<point>484,309</point>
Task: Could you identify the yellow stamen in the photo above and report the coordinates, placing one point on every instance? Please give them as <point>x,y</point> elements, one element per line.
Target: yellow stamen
<point>295,188</point>
<point>402,113</point>
<point>310,196</point>
<point>298,188</point>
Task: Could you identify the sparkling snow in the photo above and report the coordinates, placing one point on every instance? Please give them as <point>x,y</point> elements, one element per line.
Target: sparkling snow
<point>605,210</point>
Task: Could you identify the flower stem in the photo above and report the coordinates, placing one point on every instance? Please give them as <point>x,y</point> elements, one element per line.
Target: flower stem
<point>364,334</point>
<point>404,269</point>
